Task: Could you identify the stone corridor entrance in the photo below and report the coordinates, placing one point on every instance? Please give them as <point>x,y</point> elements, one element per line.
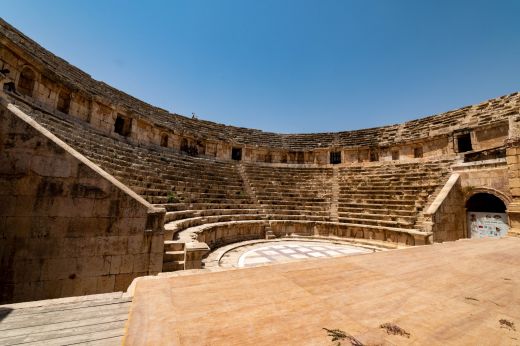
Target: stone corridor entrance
<point>486,216</point>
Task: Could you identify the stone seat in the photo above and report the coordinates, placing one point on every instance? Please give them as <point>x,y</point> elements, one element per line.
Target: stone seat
<point>299,211</point>
<point>383,209</point>
<point>303,216</point>
<point>286,202</point>
<point>289,206</point>
<point>381,204</point>
<point>173,227</point>
<point>346,197</point>
<point>183,214</point>
<point>200,239</point>
<point>378,216</point>
<point>376,222</point>
<point>293,200</point>
<point>204,206</point>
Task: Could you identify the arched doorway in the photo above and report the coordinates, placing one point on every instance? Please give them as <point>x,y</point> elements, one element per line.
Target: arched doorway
<point>486,215</point>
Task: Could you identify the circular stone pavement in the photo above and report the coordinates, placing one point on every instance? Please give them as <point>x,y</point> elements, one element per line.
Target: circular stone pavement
<point>250,255</point>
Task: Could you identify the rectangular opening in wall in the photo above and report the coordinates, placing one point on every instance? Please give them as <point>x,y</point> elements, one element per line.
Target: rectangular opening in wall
<point>335,157</point>
<point>300,157</point>
<point>236,154</point>
<point>164,140</point>
<point>417,152</point>
<point>374,155</point>
<point>123,125</point>
<point>464,143</point>
<point>63,102</point>
<point>395,155</point>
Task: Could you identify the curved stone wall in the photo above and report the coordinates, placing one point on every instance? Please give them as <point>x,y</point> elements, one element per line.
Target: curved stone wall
<point>33,73</point>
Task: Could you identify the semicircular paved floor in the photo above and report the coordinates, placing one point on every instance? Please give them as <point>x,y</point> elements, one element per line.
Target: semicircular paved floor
<point>286,251</point>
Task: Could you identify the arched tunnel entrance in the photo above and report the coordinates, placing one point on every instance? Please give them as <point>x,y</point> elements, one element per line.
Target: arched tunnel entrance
<point>486,215</point>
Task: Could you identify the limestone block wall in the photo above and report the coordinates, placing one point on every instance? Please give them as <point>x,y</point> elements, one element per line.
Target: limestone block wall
<point>491,176</point>
<point>513,170</point>
<point>490,136</point>
<point>99,104</point>
<point>445,216</point>
<point>66,227</point>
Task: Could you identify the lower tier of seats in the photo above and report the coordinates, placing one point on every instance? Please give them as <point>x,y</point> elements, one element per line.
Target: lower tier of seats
<point>190,245</point>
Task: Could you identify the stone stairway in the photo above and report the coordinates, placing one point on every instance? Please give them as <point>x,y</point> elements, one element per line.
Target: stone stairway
<point>334,216</point>
<point>174,255</point>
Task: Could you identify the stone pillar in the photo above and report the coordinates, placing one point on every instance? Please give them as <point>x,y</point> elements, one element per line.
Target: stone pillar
<point>513,167</point>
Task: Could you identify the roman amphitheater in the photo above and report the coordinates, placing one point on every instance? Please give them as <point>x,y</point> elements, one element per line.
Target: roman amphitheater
<point>122,222</point>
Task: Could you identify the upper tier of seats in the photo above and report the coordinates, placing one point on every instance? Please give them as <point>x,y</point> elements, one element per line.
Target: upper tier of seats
<point>200,192</point>
<point>287,193</point>
<point>485,113</point>
<point>391,195</point>
<point>160,176</point>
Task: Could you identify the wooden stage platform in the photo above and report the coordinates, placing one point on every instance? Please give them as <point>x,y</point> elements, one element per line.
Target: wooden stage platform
<point>459,293</point>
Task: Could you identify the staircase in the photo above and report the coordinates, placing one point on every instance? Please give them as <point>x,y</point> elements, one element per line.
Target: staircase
<point>174,255</point>
<point>252,194</point>
<point>335,195</point>
<point>247,184</point>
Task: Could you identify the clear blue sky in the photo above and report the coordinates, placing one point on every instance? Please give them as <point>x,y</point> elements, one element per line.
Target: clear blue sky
<point>288,66</point>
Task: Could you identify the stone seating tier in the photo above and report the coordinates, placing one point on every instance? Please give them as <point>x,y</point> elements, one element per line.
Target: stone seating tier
<point>159,176</point>
<point>55,69</point>
<point>391,195</point>
<point>200,240</point>
<point>199,191</point>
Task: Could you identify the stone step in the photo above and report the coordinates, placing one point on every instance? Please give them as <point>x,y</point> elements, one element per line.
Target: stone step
<point>173,256</point>
<point>173,245</point>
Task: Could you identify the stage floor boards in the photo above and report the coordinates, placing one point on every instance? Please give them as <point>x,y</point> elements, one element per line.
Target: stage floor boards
<point>457,293</point>
<point>93,320</point>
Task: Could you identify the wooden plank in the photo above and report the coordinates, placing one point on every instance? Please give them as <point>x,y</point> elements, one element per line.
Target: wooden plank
<point>57,317</point>
<point>17,332</point>
<point>80,339</point>
<point>66,300</point>
<point>114,341</point>
<point>76,331</point>
<point>63,307</point>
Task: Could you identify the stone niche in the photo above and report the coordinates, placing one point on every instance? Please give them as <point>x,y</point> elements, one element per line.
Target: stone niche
<point>66,227</point>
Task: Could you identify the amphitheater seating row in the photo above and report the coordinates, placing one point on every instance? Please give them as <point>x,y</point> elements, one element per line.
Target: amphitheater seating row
<point>197,192</point>
<point>286,193</point>
<point>160,176</point>
<point>391,195</point>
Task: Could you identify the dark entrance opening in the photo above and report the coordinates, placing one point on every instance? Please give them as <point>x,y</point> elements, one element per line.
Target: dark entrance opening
<point>26,82</point>
<point>417,152</point>
<point>374,155</point>
<point>464,143</point>
<point>236,154</point>
<point>63,102</point>
<point>164,141</point>
<point>486,216</point>
<point>335,157</point>
<point>300,157</point>
<point>123,126</point>
<point>485,202</point>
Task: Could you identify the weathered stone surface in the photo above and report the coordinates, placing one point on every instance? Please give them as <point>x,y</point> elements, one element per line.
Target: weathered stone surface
<point>59,234</point>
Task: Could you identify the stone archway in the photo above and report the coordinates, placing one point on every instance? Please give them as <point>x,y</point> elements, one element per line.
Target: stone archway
<point>486,214</point>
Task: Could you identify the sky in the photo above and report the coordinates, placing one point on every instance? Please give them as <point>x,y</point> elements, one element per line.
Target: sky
<point>288,66</point>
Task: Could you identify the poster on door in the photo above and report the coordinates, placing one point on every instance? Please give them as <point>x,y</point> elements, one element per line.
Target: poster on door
<point>484,224</point>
